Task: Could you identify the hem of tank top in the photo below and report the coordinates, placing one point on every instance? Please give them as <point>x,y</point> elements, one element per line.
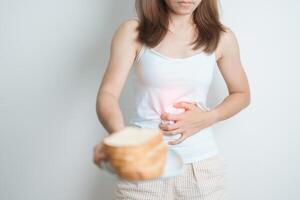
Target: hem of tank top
<point>202,157</point>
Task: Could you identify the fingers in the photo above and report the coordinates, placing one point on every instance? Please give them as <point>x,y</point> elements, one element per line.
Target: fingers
<point>185,105</point>
<point>99,155</point>
<point>179,140</point>
<point>169,116</point>
<point>169,127</point>
<point>173,132</point>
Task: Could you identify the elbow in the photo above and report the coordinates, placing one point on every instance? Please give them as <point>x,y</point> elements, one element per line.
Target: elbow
<point>98,107</point>
<point>98,110</point>
<point>247,99</point>
<point>97,104</point>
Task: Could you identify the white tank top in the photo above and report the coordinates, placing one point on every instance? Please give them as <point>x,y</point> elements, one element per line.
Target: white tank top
<point>160,81</point>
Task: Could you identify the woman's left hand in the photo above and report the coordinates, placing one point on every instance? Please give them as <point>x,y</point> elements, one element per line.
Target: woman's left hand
<point>187,123</point>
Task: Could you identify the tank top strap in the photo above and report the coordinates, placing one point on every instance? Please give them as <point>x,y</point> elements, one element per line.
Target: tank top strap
<point>143,47</point>
<point>140,53</point>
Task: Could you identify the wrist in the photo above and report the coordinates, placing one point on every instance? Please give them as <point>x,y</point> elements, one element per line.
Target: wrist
<point>214,115</point>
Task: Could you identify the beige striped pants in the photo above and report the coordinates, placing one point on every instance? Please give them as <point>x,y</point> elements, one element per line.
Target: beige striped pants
<point>203,180</point>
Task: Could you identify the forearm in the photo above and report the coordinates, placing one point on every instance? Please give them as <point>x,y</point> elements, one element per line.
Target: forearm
<point>230,106</point>
<point>109,112</point>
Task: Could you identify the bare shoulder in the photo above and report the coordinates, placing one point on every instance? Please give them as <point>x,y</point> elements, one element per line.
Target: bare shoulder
<point>228,43</point>
<point>229,37</point>
<point>129,26</point>
<point>126,33</point>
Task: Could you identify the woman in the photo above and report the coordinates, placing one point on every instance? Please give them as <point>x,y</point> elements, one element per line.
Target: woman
<point>175,46</point>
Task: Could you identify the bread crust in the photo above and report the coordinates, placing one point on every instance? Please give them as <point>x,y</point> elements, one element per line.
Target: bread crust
<point>141,161</point>
<point>144,172</point>
<point>148,159</point>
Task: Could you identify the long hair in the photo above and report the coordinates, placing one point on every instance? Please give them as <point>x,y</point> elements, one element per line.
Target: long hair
<point>154,21</point>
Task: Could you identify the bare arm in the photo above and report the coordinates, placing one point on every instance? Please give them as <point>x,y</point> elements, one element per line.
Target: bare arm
<point>234,75</point>
<point>122,54</point>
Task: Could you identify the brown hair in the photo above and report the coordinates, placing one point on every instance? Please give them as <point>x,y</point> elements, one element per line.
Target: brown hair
<point>153,26</point>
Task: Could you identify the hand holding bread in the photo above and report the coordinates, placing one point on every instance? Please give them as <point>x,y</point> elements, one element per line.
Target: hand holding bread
<point>99,155</point>
<point>135,153</point>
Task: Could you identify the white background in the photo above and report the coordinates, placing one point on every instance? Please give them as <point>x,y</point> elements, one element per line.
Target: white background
<point>52,58</point>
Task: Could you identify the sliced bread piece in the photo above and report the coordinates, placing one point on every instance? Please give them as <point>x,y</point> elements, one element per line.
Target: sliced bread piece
<point>131,143</point>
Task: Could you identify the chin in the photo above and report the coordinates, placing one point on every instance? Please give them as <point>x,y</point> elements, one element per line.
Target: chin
<point>183,12</point>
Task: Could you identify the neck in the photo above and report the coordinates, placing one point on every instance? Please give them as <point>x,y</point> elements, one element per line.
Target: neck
<point>179,21</point>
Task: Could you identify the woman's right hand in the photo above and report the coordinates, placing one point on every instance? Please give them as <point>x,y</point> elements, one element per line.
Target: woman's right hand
<point>99,155</point>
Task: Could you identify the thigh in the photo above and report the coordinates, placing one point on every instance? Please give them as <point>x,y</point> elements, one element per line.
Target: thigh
<point>142,190</point>
<point>203,180</point>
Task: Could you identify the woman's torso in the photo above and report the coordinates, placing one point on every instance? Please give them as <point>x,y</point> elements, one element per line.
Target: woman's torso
<point>160,81</point>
